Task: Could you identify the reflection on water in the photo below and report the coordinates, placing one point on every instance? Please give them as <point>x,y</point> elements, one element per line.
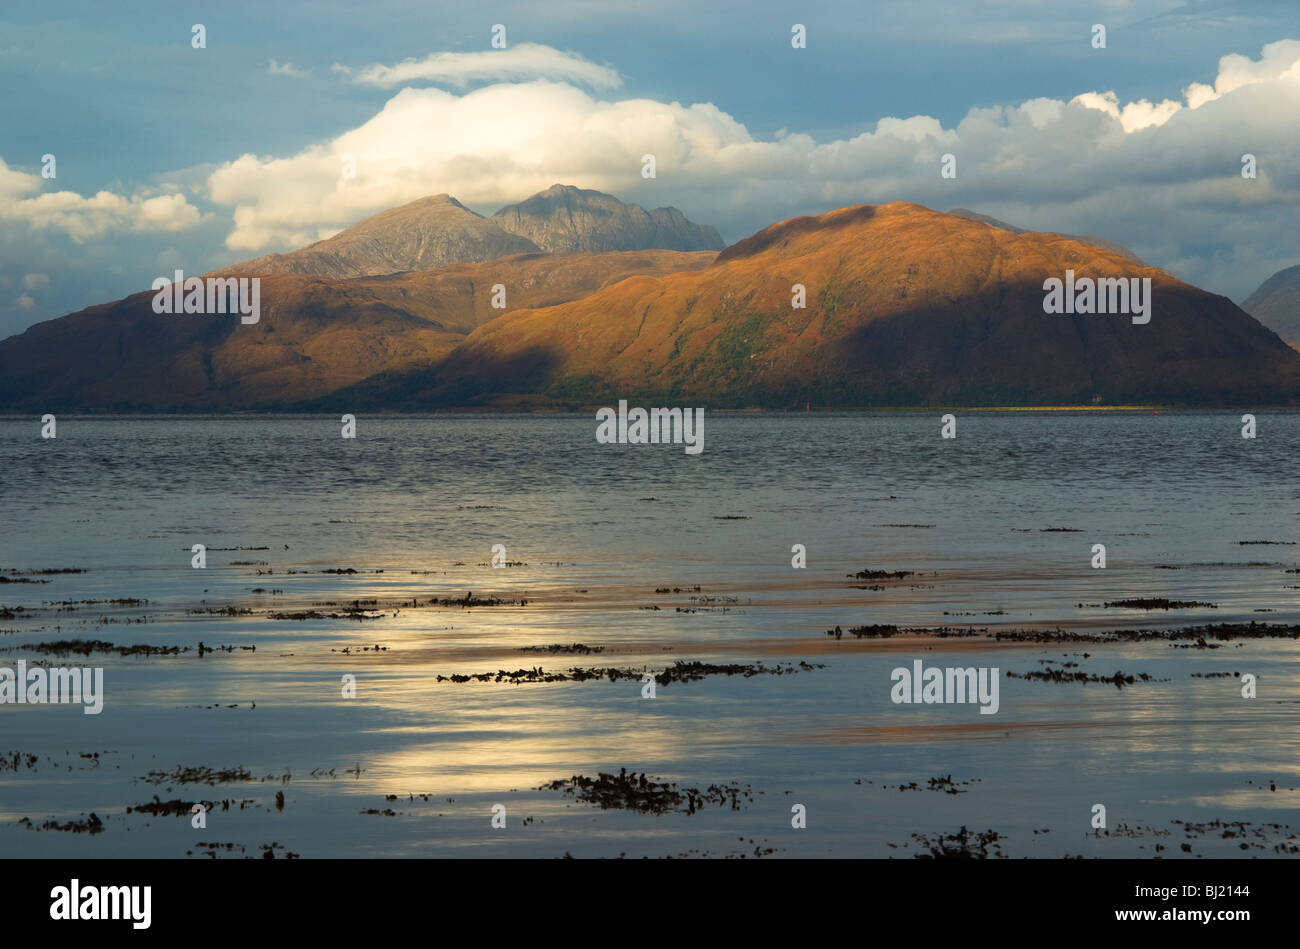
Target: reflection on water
<point>610,544</point>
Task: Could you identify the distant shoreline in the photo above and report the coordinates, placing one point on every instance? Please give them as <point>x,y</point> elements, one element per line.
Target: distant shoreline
<point>588,410</point>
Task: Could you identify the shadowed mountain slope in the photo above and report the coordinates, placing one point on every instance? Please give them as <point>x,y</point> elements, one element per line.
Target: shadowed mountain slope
<point>1276,304</point>
<point>905,305</point>
<point>314,336</point>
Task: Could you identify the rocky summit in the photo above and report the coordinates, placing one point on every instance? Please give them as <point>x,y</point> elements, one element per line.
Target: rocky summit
<point>430,232</point>
<point>563,219</point>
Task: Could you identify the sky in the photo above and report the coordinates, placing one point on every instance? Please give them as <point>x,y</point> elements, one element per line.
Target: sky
<point>168,156</point>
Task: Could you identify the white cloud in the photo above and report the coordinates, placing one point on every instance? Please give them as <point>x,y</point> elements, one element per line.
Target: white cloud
<point>24,302</point>
<point>23,199</point>
<point>287,69</point>
<point>522,61</point>
<point>1172,192</point>
<point>1041,112</point>
<point>1135,116</point>
<point>36,281</point>
<point>1280,60</point>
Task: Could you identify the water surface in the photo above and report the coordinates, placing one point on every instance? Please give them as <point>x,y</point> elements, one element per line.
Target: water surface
<point>997,527</point>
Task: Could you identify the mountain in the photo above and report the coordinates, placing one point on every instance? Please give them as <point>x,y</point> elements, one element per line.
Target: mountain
<point>1085,239</point>
<point>431,232</point>
<point>905,305</point>
<point>437,231</point>
<point>563,219</point>
<point>1276,304</point>
<point>315,335</point>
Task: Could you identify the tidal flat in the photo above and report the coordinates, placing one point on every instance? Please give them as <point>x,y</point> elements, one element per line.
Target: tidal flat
<point>349,676</point>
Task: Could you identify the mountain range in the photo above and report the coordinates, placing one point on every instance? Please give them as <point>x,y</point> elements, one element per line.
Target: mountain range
<point>902,305</point>
<point>439,230</point>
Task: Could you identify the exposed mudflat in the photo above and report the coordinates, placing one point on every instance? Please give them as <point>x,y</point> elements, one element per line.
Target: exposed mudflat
<point>350,676</point>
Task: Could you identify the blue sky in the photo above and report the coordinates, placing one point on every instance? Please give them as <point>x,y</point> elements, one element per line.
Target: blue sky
<point>118,95</point>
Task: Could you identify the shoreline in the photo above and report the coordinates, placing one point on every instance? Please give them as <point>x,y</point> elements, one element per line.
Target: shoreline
<point>585,410</point>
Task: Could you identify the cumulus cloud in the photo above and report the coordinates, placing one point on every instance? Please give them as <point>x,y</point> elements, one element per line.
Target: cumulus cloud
<point>1279,60</point>
<point>24,200</point>
<point>1132,117</point>
<point>490,145</point>
<point>522,61</point>
<point>1150,175</point>
<point>35,281</point>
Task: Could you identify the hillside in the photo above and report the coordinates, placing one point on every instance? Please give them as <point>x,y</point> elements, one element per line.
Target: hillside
<point>1276,304</point>
<point>905,306</point>
<point>315,335</point>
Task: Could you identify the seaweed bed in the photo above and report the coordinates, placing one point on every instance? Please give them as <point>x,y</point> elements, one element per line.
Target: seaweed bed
<point>1118,680</point>
<point>91,825</point>
<point>177,808</point>
<point>962,845</point>
<point>200,775</point>
<point>944,783</point>
<point>86,647</point>
<point>562,648</point>
<point>1199,635</point>
<point>679,671</point>
<point>880,574</point>
<point>635,792</point>
<point>1274,837</point>
<point>1157,603</point>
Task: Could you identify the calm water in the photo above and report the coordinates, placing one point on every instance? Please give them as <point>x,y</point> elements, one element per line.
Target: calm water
<point>997,525</point>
